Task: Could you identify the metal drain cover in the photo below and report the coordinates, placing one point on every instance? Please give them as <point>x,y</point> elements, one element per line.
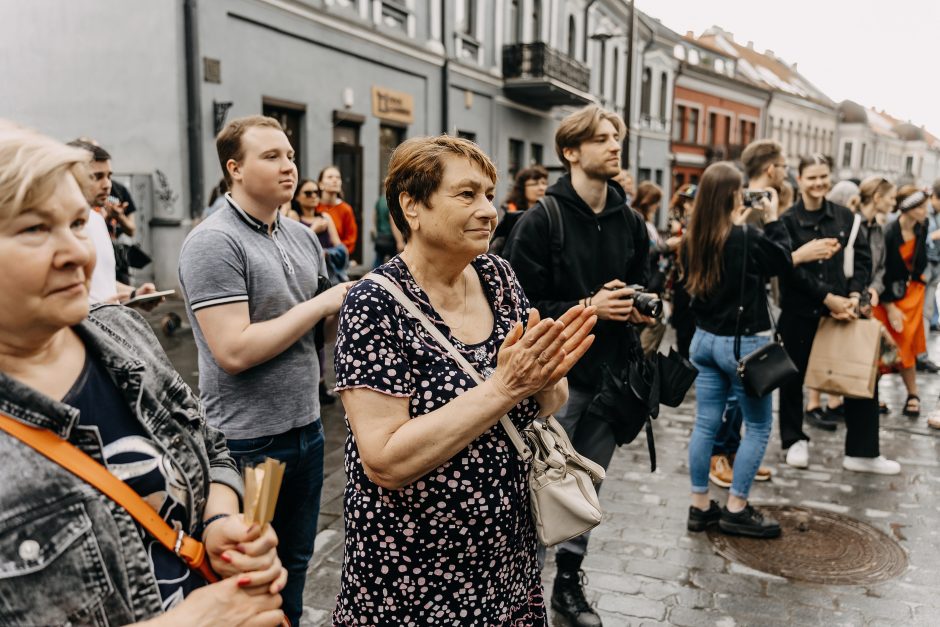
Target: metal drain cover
<point>817,546</point>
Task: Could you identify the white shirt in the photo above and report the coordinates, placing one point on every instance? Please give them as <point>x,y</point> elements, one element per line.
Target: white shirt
<point>104,277</point>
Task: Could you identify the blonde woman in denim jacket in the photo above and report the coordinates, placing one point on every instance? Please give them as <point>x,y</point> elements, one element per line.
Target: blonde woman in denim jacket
<point>68,554</point>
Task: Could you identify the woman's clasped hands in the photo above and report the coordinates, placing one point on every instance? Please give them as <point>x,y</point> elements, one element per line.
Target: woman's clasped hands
<point>539,355</point>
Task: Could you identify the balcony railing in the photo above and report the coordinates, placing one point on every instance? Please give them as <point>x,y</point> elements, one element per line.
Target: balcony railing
<point>539,75</point>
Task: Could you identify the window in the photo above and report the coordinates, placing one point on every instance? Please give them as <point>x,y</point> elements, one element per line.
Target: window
<point>515,21</point>
<point>861,159</point>
<point>616,72</point>
<point>644,174</point>
<point>790,137</point>
<point>663,95</point>
<point>603,71</point>
<point>847,155</point>
<point>389,138</point>
<point>726,131</point>
<point>536,154</point>
<point>659,177</point>
<point>691,134</point>
<point>572,37</point>
<point>469,135</point>
<point>469,21</point>
<point>693,56</point>
<point>720,66</point>
<point>679,52</point>
<point>909,165</point>
<point>770,123</point>
<point>536,20</point>
<point>710,130</point>
<point>646,90</point>
<point>516,148</point>
<point>395,15</point>
<point>680,180</point>
<point>678,123</point>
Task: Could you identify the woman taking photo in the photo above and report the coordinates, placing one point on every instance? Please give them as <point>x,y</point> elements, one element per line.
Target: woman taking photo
<point>98,379</point>
<point>332,204</point>
<point>902,297</point>
<point>711,258</point>
<point>438,521</point>
<point>813,291</point>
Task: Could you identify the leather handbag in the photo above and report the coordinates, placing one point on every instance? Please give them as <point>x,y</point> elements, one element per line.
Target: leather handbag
<point>67,455</point>
<point>769,367</point>
<point>562,482</point>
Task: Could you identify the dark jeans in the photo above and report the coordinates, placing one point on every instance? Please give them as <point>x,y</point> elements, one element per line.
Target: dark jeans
<point>298,504</point>
<point>728,438</point>
<point>861,414</point>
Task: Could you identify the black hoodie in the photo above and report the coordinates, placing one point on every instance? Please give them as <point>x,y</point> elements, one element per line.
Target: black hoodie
<point>598,248</point>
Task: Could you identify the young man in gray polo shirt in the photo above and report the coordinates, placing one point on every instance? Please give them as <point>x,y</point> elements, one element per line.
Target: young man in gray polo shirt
<point>250,280</point>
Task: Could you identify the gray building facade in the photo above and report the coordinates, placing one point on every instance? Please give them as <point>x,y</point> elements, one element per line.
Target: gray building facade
<point>348,79</point>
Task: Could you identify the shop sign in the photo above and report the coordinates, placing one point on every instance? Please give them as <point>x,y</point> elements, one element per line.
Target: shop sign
<point>391,105</point>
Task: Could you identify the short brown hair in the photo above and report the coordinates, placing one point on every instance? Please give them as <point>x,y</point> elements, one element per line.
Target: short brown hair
<point>228,142</point>
<point>648,194</point>
<point>873,185</point>
<point>580,126</point>
<point>759,154</point>
<point>417,168</point>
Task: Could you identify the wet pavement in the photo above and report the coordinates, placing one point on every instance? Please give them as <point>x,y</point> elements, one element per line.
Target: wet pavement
<point>644,568</point>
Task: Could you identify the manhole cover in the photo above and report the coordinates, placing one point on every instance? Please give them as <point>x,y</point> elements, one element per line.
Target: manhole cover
<point>817,546</point>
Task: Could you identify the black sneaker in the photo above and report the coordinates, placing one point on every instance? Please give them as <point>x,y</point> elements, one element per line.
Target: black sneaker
<point>568,600</point>
<point>834,414</point>
<point>817,418</point>
<point>748,522</point>
<point>701,519</point>
<point>924,364</point>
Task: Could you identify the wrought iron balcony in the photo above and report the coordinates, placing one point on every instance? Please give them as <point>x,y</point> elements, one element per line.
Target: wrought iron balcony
<point>543,77</point>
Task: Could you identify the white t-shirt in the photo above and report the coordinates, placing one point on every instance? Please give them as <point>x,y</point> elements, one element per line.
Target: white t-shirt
<point>103,279</point>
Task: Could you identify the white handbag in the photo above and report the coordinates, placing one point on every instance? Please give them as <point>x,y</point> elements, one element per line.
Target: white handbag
<point>561,482</point>
<point>848,255</point>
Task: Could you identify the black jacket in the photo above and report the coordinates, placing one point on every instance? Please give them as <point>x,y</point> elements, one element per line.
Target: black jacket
<point>805,287</point>
<point>597,248</point>
<point>768,254</point>
<point>895,268</point>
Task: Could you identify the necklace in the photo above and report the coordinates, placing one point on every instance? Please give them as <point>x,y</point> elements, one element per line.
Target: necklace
<point>466,303</point>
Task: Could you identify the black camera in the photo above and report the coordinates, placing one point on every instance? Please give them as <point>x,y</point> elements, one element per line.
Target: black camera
<point>647,303</point>
<point>753,199</point>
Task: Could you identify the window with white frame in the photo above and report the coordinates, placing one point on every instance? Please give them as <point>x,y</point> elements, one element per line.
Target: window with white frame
<point>572,36</point>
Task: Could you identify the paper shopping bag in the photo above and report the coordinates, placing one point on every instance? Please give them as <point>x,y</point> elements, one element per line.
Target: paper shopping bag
<point>844,357</point>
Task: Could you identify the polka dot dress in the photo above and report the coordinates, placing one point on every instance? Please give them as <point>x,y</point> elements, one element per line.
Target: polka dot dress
<point>457,546</point>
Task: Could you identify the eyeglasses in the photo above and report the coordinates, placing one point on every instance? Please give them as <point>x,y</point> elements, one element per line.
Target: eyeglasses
<point>309,193</point>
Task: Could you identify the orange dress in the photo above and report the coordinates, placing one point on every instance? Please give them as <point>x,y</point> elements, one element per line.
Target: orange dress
<point>911,341</point>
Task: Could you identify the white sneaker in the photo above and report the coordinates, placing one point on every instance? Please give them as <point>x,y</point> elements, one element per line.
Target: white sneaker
<point>798,454</point>
<point>878,465</point>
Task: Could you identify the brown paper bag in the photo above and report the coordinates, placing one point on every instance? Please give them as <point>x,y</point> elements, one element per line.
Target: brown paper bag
<point>844,357</point>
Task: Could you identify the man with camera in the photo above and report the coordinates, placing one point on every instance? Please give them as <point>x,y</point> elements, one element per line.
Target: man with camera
<point>601,262</point>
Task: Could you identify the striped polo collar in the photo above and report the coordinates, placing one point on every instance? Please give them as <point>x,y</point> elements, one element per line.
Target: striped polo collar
<point>252,221</point>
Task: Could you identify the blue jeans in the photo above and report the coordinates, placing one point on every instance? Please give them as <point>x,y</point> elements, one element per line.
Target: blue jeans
<point>717,382</point>
<point>298,504</point>
<point>728,438</point>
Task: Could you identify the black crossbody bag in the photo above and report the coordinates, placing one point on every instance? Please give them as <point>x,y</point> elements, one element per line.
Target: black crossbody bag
<point>769,367</point>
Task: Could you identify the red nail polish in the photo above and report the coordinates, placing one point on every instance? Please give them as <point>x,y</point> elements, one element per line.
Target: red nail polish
<point>243,581</point>
<point>225,558</point>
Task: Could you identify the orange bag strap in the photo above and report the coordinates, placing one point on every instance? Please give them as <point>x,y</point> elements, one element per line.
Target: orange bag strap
<point>87,469</point>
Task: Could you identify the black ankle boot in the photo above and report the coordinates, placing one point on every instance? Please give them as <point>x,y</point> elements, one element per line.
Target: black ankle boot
<point>568,592</point>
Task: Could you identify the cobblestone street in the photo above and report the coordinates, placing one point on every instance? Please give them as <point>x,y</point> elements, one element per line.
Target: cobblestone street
<point>645,569</point>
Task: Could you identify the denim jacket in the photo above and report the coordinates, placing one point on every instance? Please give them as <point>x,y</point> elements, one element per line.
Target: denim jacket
<point>68,554</point>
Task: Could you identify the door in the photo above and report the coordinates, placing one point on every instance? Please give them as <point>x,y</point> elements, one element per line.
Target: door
<point>291,117</point>
<point>347,156</point>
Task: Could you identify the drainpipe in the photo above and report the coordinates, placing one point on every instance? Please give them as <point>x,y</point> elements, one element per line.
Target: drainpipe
<point>628,101</point>
<point>193,108</point>
<point>447,40</point>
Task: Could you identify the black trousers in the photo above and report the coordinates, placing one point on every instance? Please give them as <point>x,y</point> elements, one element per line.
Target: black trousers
<point>861,414</point>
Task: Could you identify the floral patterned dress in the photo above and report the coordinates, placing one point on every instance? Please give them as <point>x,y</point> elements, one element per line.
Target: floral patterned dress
<point>457,546</point>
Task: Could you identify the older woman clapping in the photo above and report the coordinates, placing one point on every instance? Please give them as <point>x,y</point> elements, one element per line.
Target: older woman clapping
<point>68,553</point>
<point>438,525</point>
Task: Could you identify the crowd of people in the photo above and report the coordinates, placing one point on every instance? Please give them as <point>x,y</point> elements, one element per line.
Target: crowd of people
<point>538,297</point>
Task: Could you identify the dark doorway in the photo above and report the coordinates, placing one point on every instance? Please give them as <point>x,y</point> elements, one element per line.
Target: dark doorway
<point>389,139</point>
<point>347,156</point>
<point>291,117</point>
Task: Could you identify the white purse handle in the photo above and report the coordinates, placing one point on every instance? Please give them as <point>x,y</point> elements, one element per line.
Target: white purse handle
<point>418,315</point>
